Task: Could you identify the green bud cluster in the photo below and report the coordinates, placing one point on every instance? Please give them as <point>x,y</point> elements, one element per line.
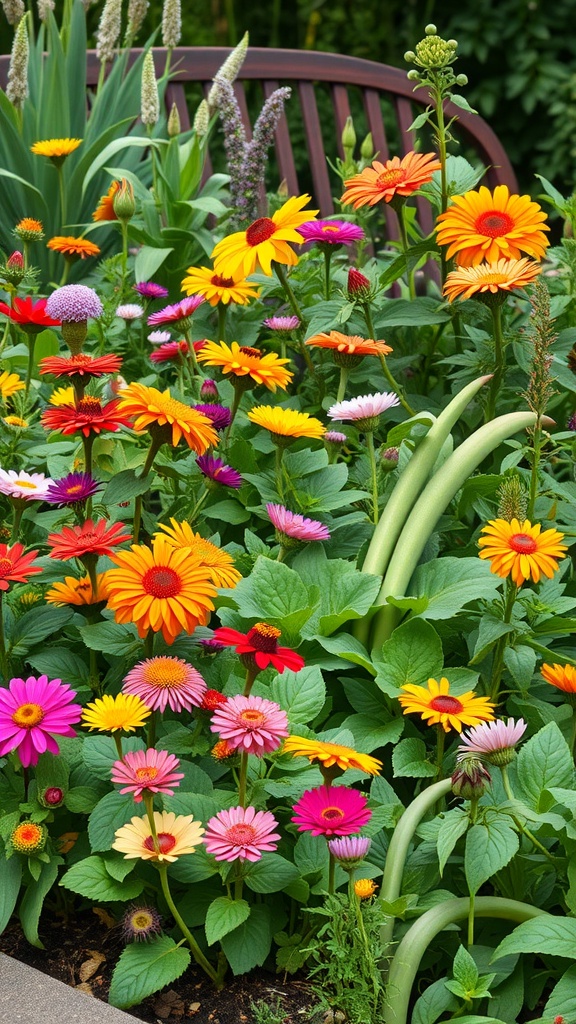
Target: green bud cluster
<point>434,52</point>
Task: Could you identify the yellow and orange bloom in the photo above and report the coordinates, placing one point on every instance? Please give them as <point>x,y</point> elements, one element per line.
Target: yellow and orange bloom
<point>216,288</point>
<point>521,550</point>
<point>330,754</point>
<point>395,177</point>
<point>73,591</point>
<point>286,423</point>
<point>348,345</point>
<point>438,706</point>
<point>490,279</point>
<point>55,149</point>
<point>490,226</point>
<point>29,229</point>
<point>15,421</point>
<point>73,248</point>
<point>123,713</point>
<point>364,888</point>
<point>176,835</point>
<point>563,677</point>
<point>10,383</point>
<point>62,396</point>
<point>152,409</point>
<point>242,361</point>
<point>105,209</point>
<point>264,241</point>
<point>219,563</point>
<point>160,588</point>
<point>29,837</point>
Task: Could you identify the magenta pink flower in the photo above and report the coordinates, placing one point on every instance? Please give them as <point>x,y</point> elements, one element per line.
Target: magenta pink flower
<point>215,471</point>
<point>241,833</point>
<point>179,311</point>
<point>491,737</point>
<point>166,682</point>
<point>331,811</point>
<point>291,524</point>
<point>254,724</point>
<point>283,324</point>
<point>331,232</point>
<point>150,770</point>
<point>32,711</point>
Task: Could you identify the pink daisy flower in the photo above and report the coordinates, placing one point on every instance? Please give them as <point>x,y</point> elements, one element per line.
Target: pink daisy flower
<point>283,324</point>
<point>32,486</point>
<point>150,290</point>
<point>331,811</point>
<point>349,850</point>
<point>363,407</point>
<point>32,712</point>
<point>179,311</point>
<point>241,833</point>
<point>159,337</point>
<point>291,524</point>
<point>254,724</point>
<point>166,682</point>
<point>331,232</point>
<point>151,771</point>
<point>491,737</point>
<point>130,311</point>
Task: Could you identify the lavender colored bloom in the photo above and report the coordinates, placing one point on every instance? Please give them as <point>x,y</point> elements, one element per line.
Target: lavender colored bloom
<point>219,414</point>
<point>151,290</point>
<point>130,311</point>
<point>349,851</point>
<point>215,470</point>
<point>294,526</point>
<point>492,740</point>
<point>177,312</point>
<point>335,437</point>
<point>159,337</point>
<point>284,324</point>
<point>331,232</point>
<point>363,407</point>
<point>74,303</point>
<point>72,489</point>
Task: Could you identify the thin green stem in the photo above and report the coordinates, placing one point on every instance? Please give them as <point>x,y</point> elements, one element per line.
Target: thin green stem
<point>151,731</point>
<point>242,777</point>
<point>405,246</point>
<point>152,453</point>
<point>373,474</point>
<point>30,366</point>
<point>3,658</point>
<point>495,383</point>
<point>194,947</point>
<point>124,229</point>
<point>440,738</point>
<point>344,374</point>
<point>198,505</point>
<point>327,261</point>
<point>500,649</point>
<point>18,513</point>
<point>331,872</point>
<point>282,277</point>
<point>117,737</point>
<point>534,469</point>
<point>279,471</point>
<point>251,674</point>
<point>385,368</point>
<point>62,192</point>
<point>88,443</point>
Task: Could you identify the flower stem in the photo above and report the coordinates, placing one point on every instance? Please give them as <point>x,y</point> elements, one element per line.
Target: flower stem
<point>279,472</point>
<point>327,259</point>
<point>405,246</point>
<point>152,453</point>
<point>62,192</point>
<point>385,368</point>
<point>198,505</point>
<point>30,367</point>
<point>242,779</point>
<point>500,649</point>
<point>374,475</point>
<point>117,737</point>
<point>344,374</point>
<point>18,513</point>
<point>194,947</point>
<point>282,277</point>
<point>251,674</point>
<point>440,738</point>
<point>331,872</point>
<point>522,828</point>
<point>496,381</point>
<point>3,658</point>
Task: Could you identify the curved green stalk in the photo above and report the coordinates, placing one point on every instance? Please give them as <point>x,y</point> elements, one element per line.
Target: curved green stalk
<point>431,504</point>
<point>406,960</point>
<point>407,489</point>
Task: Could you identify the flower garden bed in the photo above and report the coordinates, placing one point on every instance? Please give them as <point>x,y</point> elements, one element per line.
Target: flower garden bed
<point>285,579</point>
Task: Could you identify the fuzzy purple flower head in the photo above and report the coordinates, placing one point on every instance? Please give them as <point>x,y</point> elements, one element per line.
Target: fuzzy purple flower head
<point>150,290</point>
<point>291,526</point>
<point>331,232</point>
<point>72,489</point>
<point>215,471</point>
<point>74,303</point>
<point>219,415</point>
<point>178,312</point>
<point>335,437</point>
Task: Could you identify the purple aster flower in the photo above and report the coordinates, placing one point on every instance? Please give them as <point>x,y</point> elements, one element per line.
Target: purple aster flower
<point>335,437</point>
<point>294,526</point>
<point>219,415</point>
<point>72,489</point>
<point>331,232</point>
<point>179,311</point>
<point>349,851</point>
<point>74,303</point>
<point>215,470</point>
<point>130,311</point>
<point>284,324</point>
<point>150,290</point>
<point>159,337</point>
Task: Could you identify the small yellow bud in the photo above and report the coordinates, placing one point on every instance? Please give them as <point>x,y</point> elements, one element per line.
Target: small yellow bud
<point>430,30</point>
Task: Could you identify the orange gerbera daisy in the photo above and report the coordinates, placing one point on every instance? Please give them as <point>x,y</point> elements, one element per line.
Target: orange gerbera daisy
<point>242,361</point>
<point>166,418</point>
<point>87,417</point>
<point>160,588</point>
<point>55,149</point>
<point>73,248</point>
<point>105,208</point>
<point>348,349</point>
<point>521,550</point>
<point>395,177</point>
<point>219,563</point>
<point>29,229</point>
<point>77,591</point>
<point>561,676</point>
<point>490,279</point>
<point>215,288</point>
<point>330,754</point>
<point>486,225</point>
<point>438,706</point>
<point>265,240</point>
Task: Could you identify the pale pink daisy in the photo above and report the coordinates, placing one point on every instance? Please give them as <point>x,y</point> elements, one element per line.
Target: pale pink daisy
<point>331,811</point>
<point>364,406</point>
<point>490,738</point>
<point>130,311</point>
<point>151,771</point>
<point>253,724</point>
<point>164,682</point>
<point>32,712</point>
<point>159,337</point>
<point>295,526</point>
<point>283,324</point>
<point>32,486</point>
<point>241,833</point>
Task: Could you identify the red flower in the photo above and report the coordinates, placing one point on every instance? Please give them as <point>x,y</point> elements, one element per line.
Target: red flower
<point>15,566</point>
<point>31,316</point>
<point>91,538</point>
<point>259,646</point>
<point>88,416</point>
<point>80,365</point>
<point>212,699</point>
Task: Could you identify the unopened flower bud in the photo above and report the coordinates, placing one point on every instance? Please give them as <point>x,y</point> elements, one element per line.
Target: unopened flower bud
<point>171,23</point>
<point>367,148</point>
<point>15,261</point>
<point>51,797</point>
<point>149,101</point>
<point>358,285</point>
<point>453,43</point>
<point>413,76</point>
<point>173,126</point>
<point>13,270</point>
<point>209,390</point>
<point>410,56</point>
<point>108,34</point>
<point>348,139</point>
<point>201,119</point>
<point>512,499</point>
<point>229,69</point>
<point>430,30</point>
<point>123,202</point>
<point>470,779</point>
<point>17,87</point>
<point>434,52</point>
<point>461,79</point>
<point>389,458</point>
<point>349,851</point>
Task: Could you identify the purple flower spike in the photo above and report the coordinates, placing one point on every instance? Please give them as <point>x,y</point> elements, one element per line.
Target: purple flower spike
<point>179,311</point>
<point>150,290</point>
<point>74,303</point>
<point>72,489</point>
<point>331,232</point>
<point>293,525</point>
<point>219,415</point>
<point>215,470</point>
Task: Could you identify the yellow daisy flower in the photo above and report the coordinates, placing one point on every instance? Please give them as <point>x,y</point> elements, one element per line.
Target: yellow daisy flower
<point>215,288</point>
<point>439,707</point>
<point>521,550</point>
<point>265,240</point>
<point>15,421</point>
<point>330,754</point>
<point>176,835</point>
<point>62,396</point>
<point>109,714</point>
<point>490,279</point>
<point>364,888</point>
<point>10,383</point>
<point>286,423</point>
<point>219,563</point>
<point>55,149</point>
<point>153,409</point>
<point>242,361</point>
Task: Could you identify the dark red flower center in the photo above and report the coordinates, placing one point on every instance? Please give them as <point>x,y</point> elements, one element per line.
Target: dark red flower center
<point>332,814</point>
<point>260,231</point>
<point>241,834</point>
<point>166,842</point>
<point>263,637</point>
<point>160,581</point>
<point>89,406</point>
<point>54,795</point>
<point>494,223</point>
<point>523,543</point>
<point>6,566</point>
<point>254,352</point>
<point>222,282</point>
<point>446,705</point>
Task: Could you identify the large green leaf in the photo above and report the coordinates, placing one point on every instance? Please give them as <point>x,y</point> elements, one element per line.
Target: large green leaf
<point>90,878</point>
<point>110,813</point>
<point>301,694</point>
<point>562,1001</point>
<point>33,901</point>
<point>409,760</point>
<point>99,753</point>
<point>490,845</point>
<point>412,655</point>
<point>544,762</point>
<point>249,945</point>
<point>10,879</point>
<point>223,916</point>
<point>449,584</point>
<point>546,935</point>
<point>144,968</point>
<point>271,873</point>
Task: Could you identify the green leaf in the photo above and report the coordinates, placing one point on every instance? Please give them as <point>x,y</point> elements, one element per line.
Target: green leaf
<point>454,825</point>
<point>110,813</point>
<point>148,261</point>
<point>90,878</point>
<point>99,753</point>
<point>227,511</point>
<point>110,150</point>
<point>33,901</point>
<point>301,694</point>
<point>562,1001</point>
<point>10,879</point>
<point>451,583</point>
<point>544,762</point>
<point>124,486</point>
<point>409,760</point>
<point>52,770</point>
<point>35,626</point>
<point>411,313</point>
<point>81,799</point>
<point>144,968</point>
<point>249,945</point>
<point>370,734</point>
<point>490,631</point>
<point>412,655</point>
<point>490,845</point>
<point>347,647</point>
<point>111,638</point>
<point>546,935</point>
<point>223,916</point>
<point>433,1003</point>
<point>271,873</point>
<point>345,593</point>
<point>273,592</point>
<point>465,970</point>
